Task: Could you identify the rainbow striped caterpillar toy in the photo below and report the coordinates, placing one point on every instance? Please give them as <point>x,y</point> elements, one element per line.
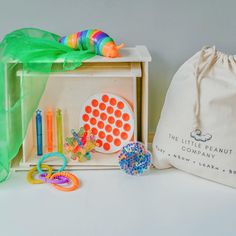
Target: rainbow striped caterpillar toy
<point>94,39</point>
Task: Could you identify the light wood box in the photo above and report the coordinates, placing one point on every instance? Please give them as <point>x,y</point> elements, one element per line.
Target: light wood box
<point>126,76</point>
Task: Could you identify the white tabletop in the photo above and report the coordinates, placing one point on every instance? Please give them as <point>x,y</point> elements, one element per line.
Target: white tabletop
<point>110,203</point>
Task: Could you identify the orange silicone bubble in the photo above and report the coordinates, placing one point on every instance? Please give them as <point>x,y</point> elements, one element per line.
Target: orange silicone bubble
<point>101,134</point>
<point>96,113</point>
<point>105,98</point>
<point>111,119</point>
<point>120,105</point>
<point>110,110</point>
<point>116,132</point>
<point>94,131</point>
<point>127,127</point>
<point>117,142</point>
<point>99,142</point>
<point>103,116</point>
<point>125,117</point>
<point>118,113</point>
<point>100,125</point>
<point>109,138</point>
<point>119,123</point>
<point>102,106</point>
<point>124,135</point>
<point>93,121</point>
<point>88,109</point>
<point>95,102</point>
<point>106,146</point>
<point>113,101</point>
<point>85,117</point>
<point>108,128</point>
<point>86,127</point>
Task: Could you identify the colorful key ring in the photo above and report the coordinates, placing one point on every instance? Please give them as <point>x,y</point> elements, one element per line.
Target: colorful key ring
<point>48,155</point>
<point>71,177</point>
<point>34,170</point>
<point>56,180</point>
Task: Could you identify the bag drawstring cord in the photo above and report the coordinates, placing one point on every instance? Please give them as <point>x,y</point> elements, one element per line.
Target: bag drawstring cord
<point>199,75</point>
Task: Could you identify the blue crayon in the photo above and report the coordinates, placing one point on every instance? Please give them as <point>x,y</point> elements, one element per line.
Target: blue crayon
<point>39,133</point>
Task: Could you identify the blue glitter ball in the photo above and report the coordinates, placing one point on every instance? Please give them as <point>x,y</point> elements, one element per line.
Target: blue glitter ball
<point>134,159</point>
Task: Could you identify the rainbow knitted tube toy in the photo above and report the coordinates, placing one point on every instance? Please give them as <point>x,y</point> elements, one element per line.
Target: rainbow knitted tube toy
<point>92,39</point>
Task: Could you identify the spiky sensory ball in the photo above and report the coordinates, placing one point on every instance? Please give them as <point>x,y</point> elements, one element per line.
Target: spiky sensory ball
<point>134,159</point>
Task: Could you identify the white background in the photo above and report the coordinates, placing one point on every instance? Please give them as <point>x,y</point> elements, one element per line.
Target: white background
<point>111,203</point>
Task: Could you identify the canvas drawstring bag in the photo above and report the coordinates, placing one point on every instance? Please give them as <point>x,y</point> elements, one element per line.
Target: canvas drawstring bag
<point>197,128</point>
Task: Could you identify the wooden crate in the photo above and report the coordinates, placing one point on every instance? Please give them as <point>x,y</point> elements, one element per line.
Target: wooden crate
<point>126,76</point>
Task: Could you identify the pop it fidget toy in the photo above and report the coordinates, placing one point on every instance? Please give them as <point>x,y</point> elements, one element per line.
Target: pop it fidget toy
<point>111,120</point>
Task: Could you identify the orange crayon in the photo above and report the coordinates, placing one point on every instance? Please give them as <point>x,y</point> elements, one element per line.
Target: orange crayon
<point>49,117</point>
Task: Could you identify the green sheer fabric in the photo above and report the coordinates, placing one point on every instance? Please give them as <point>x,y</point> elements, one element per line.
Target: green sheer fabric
<point>27,50</point>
